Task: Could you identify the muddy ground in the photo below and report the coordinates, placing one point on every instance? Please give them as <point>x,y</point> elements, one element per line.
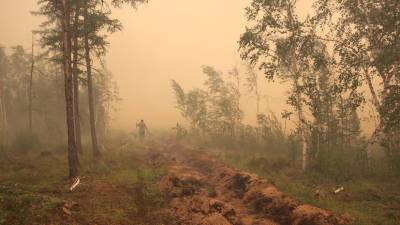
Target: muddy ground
<point>203,191</point>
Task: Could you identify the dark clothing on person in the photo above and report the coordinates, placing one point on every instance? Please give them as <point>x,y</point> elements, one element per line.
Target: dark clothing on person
<point>142,129</point>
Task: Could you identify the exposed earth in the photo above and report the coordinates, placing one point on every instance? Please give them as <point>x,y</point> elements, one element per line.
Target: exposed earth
<point>203,191</point>
<point>156,183</point>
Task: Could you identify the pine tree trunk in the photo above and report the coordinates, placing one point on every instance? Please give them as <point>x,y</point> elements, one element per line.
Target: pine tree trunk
<point>3,114</point>
<point>5,123</point>
<point>68,82</point>
<point>30,92</point>
<point>78,136</point>
<point>318,147</point>
<point>2,119</point>
<point>95,146</point>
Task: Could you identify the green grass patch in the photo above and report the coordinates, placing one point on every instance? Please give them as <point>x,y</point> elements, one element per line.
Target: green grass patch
<point>118,189</point>
<point>370,201</point>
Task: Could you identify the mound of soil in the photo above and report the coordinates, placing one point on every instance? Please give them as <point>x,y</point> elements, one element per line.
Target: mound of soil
<point>204,191</point>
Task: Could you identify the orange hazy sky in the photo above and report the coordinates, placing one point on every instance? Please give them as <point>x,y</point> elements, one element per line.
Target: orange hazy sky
<point>162,40</point>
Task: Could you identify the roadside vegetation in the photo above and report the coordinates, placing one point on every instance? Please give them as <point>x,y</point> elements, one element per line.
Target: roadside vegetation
<point>368,200</point>
<point>336,61</point>
<point>338,155</point>
<point>119,189</point>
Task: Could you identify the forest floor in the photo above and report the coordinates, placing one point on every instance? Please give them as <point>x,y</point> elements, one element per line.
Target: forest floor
<point>118,189</point>
<point>152,184</point>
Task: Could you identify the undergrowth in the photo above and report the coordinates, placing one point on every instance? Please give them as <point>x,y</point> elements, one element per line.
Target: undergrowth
<point>370,201</point>
<point>118,189</point>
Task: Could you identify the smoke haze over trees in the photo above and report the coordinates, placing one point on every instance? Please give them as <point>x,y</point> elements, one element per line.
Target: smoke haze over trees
<point>304,95</point>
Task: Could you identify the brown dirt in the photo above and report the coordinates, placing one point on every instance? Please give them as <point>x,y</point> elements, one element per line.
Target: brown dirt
<point>204,191</point>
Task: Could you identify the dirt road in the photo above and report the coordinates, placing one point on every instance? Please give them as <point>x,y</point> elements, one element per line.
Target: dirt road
<point>204,191</point>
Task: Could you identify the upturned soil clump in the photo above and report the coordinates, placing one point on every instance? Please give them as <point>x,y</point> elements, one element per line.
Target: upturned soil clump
<point>203,191</point>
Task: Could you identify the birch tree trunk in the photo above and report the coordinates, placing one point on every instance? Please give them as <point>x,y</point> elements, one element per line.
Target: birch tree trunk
<point>376,135</point>
<point>296,75</point>
<point>302,133</point>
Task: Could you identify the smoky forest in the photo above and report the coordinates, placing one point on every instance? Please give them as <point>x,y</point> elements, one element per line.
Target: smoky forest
<point>213,112</point>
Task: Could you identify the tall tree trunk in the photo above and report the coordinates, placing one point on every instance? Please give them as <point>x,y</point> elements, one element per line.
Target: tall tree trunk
<point>296,75</point>
<point>258,98</point>
<point>377,134</point>
<point>299,107</point>
<point>3,123</point>
<point>3,114</point>
<point>68,82</point>
<point>258,105</point>
<point>303,140</point>
<point>30,91</point>
<point>375,99</point>
<point>78,136</point>
<point>302,132</point>
<point>95,146</point>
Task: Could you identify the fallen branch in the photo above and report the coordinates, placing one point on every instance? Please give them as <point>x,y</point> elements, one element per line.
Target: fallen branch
<point>337,191</point>
<point>75,183</point>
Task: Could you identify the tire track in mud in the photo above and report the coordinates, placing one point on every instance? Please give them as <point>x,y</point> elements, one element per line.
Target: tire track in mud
<point>204,191</point>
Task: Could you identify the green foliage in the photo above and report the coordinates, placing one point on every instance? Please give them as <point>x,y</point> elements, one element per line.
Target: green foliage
<point>133,3</point>
<point>390,109</point>
<point>48,97</point>
<point>97,24</point>
<point>286,47</point>
<point>214,112</point>
<point>224,115</point>
<point>180,98</point>
<point>15,202</point>
<point>365,41</point>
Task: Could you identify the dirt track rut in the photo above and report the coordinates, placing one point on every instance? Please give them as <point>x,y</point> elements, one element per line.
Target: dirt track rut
<point>204,191</point>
